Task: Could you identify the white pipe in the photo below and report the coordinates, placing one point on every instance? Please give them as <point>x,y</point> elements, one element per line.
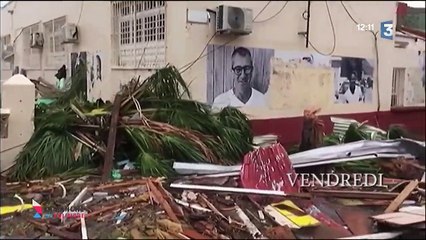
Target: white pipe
<point>64,190</point>
<point>21,200</point>
<point>75,202</point>
<point>79,197</point>
<point>83,228</point>
<point>194,206</point>
<point>227,189</point>
<point>255,233</point>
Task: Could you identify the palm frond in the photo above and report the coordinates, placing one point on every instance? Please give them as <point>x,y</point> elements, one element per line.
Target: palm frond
<point>165,83</point>
<point>355,133</point>
<point>50,153</point>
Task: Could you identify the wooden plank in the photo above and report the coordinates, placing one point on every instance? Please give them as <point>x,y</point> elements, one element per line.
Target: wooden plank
<point>354,194</point>
<point>289,210</point>
<point>382,235</point>
<point>401,197</point>
<point>109,155</point>
<point>399,218</point>
<point>406,220</point>
<point>356,219</point>
<point>389,215</point>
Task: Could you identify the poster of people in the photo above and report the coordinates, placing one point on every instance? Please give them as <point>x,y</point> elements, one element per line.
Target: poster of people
<point>353,80</point>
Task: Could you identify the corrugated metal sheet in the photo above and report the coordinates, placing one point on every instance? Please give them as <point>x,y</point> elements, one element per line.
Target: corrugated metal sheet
<point>341,125</point>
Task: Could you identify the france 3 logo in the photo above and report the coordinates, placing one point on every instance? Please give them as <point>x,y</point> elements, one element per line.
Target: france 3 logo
<point>386,30</point>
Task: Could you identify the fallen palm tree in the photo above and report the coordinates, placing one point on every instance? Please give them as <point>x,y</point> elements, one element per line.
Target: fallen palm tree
<point>158,123</point>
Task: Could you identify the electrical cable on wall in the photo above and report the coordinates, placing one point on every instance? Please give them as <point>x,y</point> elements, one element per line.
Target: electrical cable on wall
<point>332,29</point>
<point>376,48</point>
<point>81,11</point>
<point>19,34</point>
<point>201,56</point>
<point>273,16</point>
<point>261,10</point>
<point>198,58</point>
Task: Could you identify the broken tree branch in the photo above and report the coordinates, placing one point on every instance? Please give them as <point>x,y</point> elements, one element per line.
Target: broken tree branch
<point>109,155</point>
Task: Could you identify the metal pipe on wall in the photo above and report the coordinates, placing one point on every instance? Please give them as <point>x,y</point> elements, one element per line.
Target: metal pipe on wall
<point>307,24</point>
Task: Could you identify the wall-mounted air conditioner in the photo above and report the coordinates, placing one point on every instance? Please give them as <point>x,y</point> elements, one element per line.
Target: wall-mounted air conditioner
<point>37,40</point>
<point>70,32</point>
<point>234,20</point>
<point>7,52</point>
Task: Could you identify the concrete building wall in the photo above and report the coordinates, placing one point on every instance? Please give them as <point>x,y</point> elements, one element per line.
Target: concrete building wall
<point>19,121</point>
<point>412,59</point>
<point>291,87</point>
<point>185,40</point>
<point>93,20</point>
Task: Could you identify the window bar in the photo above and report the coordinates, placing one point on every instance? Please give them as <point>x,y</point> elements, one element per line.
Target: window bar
<point>116,25</point>
<point>133,9</point>
<point>119,29</point>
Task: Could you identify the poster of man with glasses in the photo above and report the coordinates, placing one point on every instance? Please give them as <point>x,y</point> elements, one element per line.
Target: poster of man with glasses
<point>238,76</point>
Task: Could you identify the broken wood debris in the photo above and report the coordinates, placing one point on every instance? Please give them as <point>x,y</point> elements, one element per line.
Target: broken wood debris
<point>205,214</point>
<point>203,207</point>
<point>402,196</point>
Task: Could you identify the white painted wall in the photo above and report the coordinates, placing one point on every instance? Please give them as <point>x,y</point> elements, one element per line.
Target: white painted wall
<point>185,41</point>
<point>410,59</point>
<point>21,118</point>
<point>280,33</point>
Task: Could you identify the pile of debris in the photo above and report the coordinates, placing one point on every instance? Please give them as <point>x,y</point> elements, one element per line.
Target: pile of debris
<point>213,206</point>
<point>152,123</point>
<point>360,182</point>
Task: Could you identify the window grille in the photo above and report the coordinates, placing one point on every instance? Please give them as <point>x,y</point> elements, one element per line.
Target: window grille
<point>138,33</point>
<point>32,59</point>
<point>4,42</point>
<point>53,41</point>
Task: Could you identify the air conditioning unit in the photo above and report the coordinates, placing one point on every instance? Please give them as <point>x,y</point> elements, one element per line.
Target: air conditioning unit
<point>70,32</point>
<point>234,20</point>
<point>37,40</point>
<point>7,52</point>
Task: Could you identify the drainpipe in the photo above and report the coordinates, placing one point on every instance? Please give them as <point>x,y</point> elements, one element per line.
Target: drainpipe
<point>307,25</point>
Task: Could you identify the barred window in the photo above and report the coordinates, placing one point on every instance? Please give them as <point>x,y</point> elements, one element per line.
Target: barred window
<point>54,37</point>
<point>138,33</point>
<point>32,59</point>
<point>6,52</point>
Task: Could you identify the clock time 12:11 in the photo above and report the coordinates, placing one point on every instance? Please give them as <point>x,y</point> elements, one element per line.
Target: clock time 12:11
<point>365,27</point>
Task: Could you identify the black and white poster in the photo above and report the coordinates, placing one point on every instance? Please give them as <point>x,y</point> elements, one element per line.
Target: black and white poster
<point>353,80</point>
<point>79,60</point>
<point>238,76</point>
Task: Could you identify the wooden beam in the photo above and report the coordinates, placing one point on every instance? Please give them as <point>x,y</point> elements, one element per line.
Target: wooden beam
<point>401,197</point>
<point>109,155</point>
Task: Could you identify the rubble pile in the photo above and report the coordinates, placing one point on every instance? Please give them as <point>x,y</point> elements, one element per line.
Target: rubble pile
<point>152,123</point>
<point>167,167</point>
<point>209,207</point>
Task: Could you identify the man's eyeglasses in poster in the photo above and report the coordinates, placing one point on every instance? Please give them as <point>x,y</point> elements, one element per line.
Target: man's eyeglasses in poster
<point>239,69</point>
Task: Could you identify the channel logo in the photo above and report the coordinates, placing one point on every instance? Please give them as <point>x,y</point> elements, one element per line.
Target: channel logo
<point>386,30</point>
<point>60,214</point>
<point>38,208</point>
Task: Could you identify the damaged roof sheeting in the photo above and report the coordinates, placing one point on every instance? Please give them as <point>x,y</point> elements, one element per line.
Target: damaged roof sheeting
<point>341,125</point>
<point>261,199</point>
<point>359,149</point>
<point>256,203</point>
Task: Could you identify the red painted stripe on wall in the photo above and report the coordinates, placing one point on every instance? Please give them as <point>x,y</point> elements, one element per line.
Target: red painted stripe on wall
<point>289,130</point>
